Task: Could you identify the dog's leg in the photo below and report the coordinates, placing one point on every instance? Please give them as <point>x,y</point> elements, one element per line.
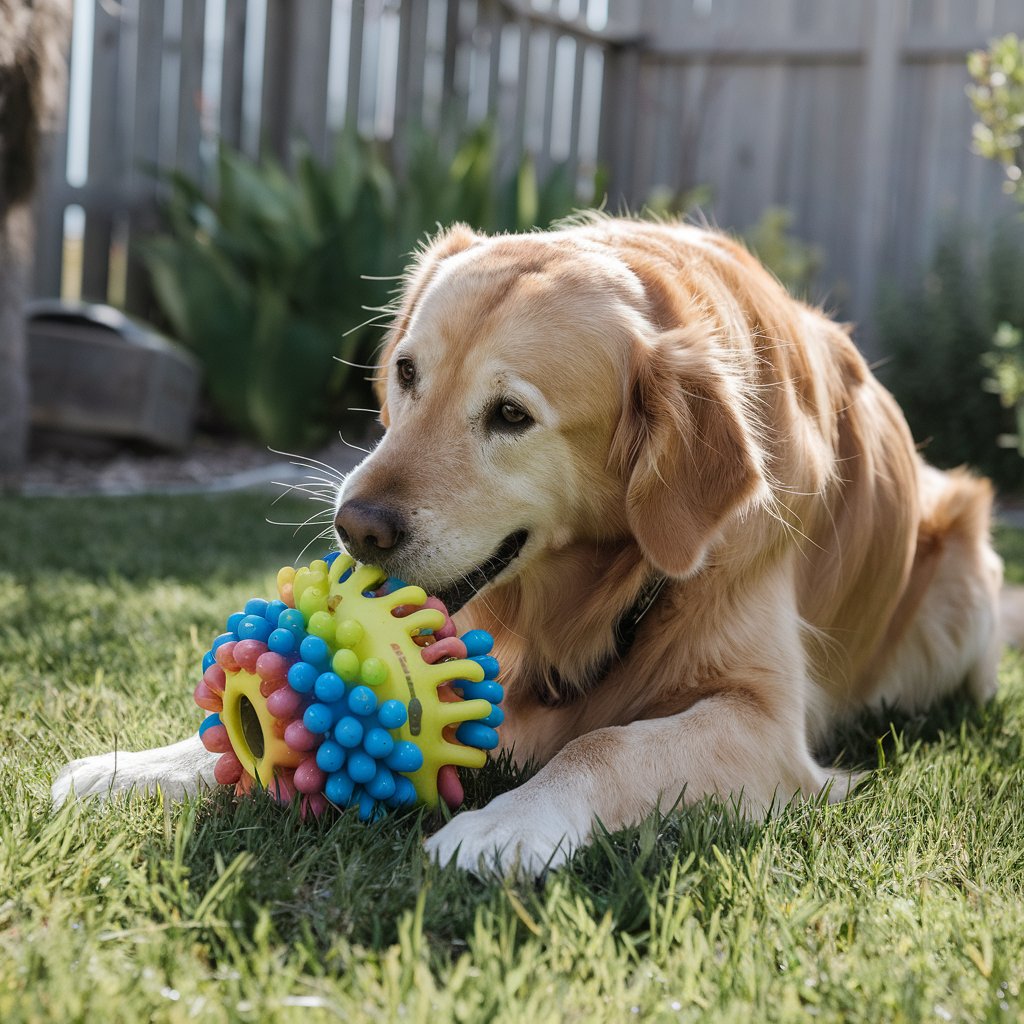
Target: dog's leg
<point>724,745</point>
<point>178,770</point>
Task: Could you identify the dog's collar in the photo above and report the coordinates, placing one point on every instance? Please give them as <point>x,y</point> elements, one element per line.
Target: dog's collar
<point>624,633</point>
<point>628,623</point>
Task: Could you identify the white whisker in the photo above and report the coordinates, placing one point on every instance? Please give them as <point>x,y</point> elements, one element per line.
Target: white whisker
<point>367,323</point>
<point>309,462</point>
<point>354,447</point>
<point>355,366</point>
<point>320,536</point>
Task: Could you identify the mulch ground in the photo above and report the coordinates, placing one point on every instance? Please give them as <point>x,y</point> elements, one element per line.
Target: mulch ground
<point>209,464</point>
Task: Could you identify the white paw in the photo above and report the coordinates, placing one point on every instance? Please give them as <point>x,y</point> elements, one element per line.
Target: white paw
<point>510,836</point>
<point>178,770</point>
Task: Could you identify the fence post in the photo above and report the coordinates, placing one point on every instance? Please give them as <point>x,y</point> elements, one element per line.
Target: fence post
<point>620,100</point>
<point>884,40</point>
<point>277,80</point>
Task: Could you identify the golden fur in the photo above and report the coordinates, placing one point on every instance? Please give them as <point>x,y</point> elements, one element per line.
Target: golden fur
<point>696,422</point>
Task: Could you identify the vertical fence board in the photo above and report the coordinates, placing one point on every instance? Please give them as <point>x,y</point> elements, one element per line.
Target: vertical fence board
<point>547,106</point>
<point>576,109</point>
<point>50,198</point>
<point>104,148</point>
<point>307,90</point>
<point>417,63</point>
<point>403,86</point>
<point>616,146</point>
<point>494,26</point>
<point>523,76</point>
<point>882,71</point>
<point>355,62</point>
<point>145,147</point>
<point>148,69</point>
<point>49,216</point>
<point>277,57</point>
<point>912,106</point>
<point>232,79</point>
<point>190,89</point>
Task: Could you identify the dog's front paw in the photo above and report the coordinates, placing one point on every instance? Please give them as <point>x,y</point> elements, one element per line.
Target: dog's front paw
<point>508,837</point>
<point>88,776</point>
<point>178,770</point>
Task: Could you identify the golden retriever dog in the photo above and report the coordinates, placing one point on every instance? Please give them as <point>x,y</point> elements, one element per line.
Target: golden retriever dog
<point>695,523</point>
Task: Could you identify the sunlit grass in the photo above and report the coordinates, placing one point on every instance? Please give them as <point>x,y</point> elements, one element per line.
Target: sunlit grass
<point>903,904</point>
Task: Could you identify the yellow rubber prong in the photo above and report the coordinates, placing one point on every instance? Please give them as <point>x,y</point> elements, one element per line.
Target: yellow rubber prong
<point>425,618</point>
<point>463,756</point>
<point>300,582</point>
<point>318,566</point>
<point>464,711</point>
<point>285,575</point>
<point>338,567</point>
<point>366,577</point>
<point>449,671</point>
<point>312,599</point>
<point>406,595</point>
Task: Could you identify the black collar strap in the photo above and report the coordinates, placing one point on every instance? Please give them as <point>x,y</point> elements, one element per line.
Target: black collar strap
<point>628,623</point>
<point>624,632</point>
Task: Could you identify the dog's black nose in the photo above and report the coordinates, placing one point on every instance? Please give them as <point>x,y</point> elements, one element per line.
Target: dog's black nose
<point>367,529</point>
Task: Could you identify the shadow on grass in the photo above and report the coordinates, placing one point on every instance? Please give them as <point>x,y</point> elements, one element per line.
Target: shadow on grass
<point>336,882</point>
<point>878,736</point>
<point>328,882</point>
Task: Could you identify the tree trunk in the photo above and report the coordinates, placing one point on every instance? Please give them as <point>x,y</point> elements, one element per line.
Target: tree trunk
<point>33,34</point>
<point>16,233</point>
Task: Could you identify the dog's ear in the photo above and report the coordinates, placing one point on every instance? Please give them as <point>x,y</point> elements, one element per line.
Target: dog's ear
<point>685,449</point>
<point>446,243</point>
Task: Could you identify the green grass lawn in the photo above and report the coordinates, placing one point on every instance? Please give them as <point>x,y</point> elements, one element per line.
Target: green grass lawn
<point>906,903</point>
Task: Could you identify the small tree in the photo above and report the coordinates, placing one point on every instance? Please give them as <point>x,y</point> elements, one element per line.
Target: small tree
<point>997,94</point>
<point>32,34</point>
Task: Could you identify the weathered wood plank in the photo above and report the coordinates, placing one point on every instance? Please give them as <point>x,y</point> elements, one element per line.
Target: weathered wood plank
<point>355,63</point>
<point>547,104</point>
<point>881,78</point>
<point>616,144</point>
<point>143,86</point>
<point>48,256</point>
<point>48,210</point>
<point>190,87</point>
<point>576,108</point>
<point>232,78</point>
<point>307,90</point>
<point>276,95</point>
<point>104,150</point>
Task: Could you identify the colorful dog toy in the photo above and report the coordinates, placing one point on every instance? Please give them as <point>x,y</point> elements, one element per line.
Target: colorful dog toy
<point>351,689</point>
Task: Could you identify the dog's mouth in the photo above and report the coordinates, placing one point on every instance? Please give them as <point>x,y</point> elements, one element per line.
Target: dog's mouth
<point>461,591</point>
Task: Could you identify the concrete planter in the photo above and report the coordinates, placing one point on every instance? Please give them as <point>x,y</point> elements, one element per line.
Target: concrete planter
<point>95,372</point>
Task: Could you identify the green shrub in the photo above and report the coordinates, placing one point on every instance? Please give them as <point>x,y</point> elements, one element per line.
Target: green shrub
<point>262,281</point>
<point>271,277</point>
<point>794,262</point>
<point>935,339</point>
<point>997,95</point>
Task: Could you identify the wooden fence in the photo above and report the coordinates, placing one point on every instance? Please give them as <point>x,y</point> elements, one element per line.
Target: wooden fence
<point>851,113</point>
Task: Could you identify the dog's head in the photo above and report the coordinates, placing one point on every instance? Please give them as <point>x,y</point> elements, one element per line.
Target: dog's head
<point>530,403</point>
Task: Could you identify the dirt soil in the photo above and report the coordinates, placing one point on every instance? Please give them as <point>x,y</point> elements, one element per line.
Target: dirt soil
<point>210,464</point>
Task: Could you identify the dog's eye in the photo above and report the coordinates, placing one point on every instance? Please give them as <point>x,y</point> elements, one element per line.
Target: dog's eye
<point>406,372</point>
<point>510,415</point>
